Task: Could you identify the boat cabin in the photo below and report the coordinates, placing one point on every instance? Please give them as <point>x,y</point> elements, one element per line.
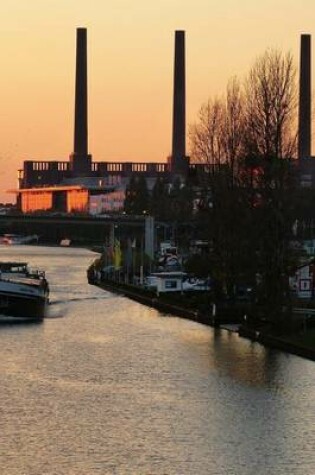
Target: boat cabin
<point>14,268</point>
<point>169,281</point>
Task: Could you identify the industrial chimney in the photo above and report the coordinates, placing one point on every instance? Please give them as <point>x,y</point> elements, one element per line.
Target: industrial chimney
<point>304,137</point>
<point>80,159</point>
<point>179,161</point>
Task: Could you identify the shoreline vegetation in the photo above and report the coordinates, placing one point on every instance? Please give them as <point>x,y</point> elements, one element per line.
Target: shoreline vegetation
<point>199,308</point>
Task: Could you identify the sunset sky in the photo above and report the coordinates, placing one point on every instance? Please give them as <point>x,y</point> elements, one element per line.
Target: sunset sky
<point>130,69</point>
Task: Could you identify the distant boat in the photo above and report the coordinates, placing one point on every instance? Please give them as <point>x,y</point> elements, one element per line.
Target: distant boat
<point>65,242</point>
<point>24,293</point>
<point>13,239</point>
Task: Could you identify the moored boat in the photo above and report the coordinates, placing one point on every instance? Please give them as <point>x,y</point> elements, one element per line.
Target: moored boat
<point>65,242</point>
<point>13,239</point>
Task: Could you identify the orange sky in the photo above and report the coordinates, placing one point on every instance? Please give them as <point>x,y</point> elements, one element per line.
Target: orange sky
<point>130,68</point>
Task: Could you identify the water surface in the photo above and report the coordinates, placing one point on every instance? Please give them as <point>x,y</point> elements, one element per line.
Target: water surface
<point>108,386</point>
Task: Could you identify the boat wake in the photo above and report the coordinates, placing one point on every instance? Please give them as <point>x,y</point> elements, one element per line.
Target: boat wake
<point>59,308</point>
<point>77,299</point>
<point>53,317</point>
<point>8,320</point>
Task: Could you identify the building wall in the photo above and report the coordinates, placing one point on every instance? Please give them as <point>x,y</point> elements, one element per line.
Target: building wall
<point>77,200</point>
<point>36,201</point>
<point>40,173</point>
<point>305,282</point>
<point>44,200</point>
<point>103,203</point>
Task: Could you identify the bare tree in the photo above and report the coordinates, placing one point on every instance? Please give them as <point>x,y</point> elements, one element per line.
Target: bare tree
<point>218,140</point>
<point>270,105</point>
<point>206,134</point>
<point>233,132</point>
<point>218,136</point>
<point>250,134</point>
<point>256,119</point>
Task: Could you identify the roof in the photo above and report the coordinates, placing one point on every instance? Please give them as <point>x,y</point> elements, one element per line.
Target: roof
<point>306,264</point>
<point>9,265</point>
<point>48,188</point>
<point>171,274</point>
<point>66,187</point>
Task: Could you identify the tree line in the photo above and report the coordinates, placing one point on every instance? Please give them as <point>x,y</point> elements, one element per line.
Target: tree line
<point>248,140</point>
<point>166,201</point>
<point>249,198</point>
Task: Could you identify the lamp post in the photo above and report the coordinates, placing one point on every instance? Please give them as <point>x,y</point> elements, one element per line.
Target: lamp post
<point>133,252</point>
<point>141,262</point>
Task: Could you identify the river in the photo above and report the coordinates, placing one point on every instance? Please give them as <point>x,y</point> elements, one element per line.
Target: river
<point>108,386</point>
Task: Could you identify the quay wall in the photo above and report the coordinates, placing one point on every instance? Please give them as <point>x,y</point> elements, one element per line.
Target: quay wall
<point>206,318</point>
<point>277,342</point>
<point>150,299</point>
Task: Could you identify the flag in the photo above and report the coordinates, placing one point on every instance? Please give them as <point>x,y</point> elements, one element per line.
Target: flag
<point>128,254</point>
<point>117,254</point>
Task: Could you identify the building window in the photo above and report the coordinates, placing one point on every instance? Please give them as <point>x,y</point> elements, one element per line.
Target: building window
<point>171,284</point>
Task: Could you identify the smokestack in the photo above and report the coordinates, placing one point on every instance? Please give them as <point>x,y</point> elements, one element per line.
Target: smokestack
<point>179,161</point>
<point>80,160</point>
<point>304,140</point>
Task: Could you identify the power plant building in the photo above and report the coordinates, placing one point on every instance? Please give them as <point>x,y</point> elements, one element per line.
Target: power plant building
<point>95,187</point>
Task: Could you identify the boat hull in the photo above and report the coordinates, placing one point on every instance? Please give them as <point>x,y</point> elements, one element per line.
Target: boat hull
<point>23,293</point>
<point>22,307</point>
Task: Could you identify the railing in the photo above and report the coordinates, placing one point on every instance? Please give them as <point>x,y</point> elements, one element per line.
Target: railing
<point>306,312</point>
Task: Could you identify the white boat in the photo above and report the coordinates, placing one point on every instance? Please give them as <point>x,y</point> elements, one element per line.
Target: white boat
<point>24,293</point>
<point>195,284</point>
<point>65,242</point>
<point>187,283</point>
<point>13,239</point>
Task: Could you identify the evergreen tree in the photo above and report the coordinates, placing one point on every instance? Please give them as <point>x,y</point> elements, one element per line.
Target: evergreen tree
<point>159,199</point>
<point>180,202</point>
<point>130,196</point>
<point>137,196</point>
<point>142,196</point>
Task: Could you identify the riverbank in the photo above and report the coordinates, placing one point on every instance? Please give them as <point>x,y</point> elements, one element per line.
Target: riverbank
<point>150,299</point>
<point>301,344</point>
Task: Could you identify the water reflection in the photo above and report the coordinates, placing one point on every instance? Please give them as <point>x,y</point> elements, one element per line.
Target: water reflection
<point>6,321</point>
<point>249,363</point>
<point>114,388</point>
